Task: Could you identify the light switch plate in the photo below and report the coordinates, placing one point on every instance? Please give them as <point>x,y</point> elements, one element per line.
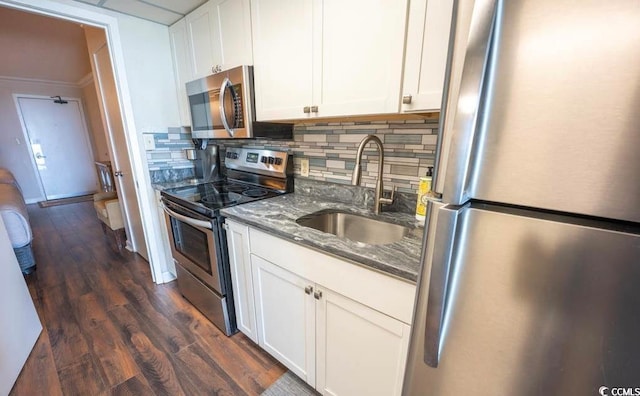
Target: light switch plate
<point>304,167</point>
<point>149,143</point>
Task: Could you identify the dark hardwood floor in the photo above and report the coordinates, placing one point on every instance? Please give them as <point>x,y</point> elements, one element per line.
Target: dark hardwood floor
<point>108,329</point>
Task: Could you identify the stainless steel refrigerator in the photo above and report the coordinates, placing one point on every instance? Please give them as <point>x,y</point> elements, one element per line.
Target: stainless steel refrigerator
<point>530,282</point>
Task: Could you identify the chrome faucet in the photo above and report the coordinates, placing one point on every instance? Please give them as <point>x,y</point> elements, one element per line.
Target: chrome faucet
<point>357,173</point>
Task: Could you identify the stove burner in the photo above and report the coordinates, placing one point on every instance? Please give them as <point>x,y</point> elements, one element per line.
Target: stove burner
<point>221,199</point>
<point>255,193</point>
<point>236,188</point>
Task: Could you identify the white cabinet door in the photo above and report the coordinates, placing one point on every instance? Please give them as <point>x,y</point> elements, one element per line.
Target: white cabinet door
<point>179,37</point>
<point>360,56</point>
<point>360,351</point>
<point>282,56</point>
<point>241,280</point>
<point>286,317</point>
<point>234,23</point>
<point>204,39</point>
<point>426,56</point>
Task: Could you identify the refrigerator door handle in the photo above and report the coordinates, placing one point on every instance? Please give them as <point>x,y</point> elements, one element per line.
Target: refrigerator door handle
<point>467,62</point>
<point>439,254</point>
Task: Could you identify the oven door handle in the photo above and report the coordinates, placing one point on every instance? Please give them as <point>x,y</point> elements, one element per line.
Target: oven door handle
<point>186,219</point>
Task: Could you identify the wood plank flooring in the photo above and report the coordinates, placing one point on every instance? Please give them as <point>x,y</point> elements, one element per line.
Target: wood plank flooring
<point>108,329</point>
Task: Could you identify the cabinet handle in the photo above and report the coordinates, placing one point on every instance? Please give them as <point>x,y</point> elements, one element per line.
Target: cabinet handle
<point>317,295</point>
<point>308,289</point>
<point>314,109</point>
<point>406,99</point>
<point>306,109</point>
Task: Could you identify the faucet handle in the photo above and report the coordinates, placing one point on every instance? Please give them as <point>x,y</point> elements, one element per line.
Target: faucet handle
<point>392,197</point>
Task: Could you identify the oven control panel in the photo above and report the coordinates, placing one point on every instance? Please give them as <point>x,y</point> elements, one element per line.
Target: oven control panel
<point>266,162</point>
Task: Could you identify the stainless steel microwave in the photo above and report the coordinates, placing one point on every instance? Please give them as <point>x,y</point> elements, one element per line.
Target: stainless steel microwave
<point>222,107</point>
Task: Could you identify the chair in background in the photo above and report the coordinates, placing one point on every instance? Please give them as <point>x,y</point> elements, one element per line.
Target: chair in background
<point>107,205</point>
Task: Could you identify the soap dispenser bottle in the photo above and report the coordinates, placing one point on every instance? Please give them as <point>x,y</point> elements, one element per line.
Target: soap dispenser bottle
<point>423,190</point>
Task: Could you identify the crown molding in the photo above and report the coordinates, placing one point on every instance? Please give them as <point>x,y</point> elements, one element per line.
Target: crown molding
<point>49,82</point>
<point>86,80</point>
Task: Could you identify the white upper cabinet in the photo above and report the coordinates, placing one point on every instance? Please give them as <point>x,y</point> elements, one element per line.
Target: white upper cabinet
<point>282,52</point>
<point>205,48</point>
<point>359,56</point>
<point>182,66</point>
<point>325,58</point>
<point>215,36</point>
<point>234,19</point>
<point>426,54</point>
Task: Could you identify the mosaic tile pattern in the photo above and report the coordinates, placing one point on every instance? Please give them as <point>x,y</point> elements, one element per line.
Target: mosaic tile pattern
<point>169,152</point>
<point>331,149</point>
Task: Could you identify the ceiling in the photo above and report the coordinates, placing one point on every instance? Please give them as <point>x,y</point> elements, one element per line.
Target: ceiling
<point>165,12</point>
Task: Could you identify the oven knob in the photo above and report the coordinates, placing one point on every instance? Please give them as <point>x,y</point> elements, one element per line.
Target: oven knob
<point>235,155</point>
<point>263,159</point>
<point>272,160</point>
<point>278,161</point>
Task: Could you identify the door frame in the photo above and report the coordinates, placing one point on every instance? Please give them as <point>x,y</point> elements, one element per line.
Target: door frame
<point>84,14</point>
<point>27,137</point>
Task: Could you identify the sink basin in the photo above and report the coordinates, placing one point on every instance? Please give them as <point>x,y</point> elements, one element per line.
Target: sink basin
<point>354,227</point>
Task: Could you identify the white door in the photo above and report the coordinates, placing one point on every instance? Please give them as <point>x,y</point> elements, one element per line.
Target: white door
<point>360,351</point>
<point>118,150</point>
<point>19,322</point>
<point>57,133</point>
<point>282,56</point>
<point>286,317</point>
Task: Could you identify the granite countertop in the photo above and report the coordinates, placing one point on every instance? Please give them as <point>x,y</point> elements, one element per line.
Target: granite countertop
<point>277,216</point>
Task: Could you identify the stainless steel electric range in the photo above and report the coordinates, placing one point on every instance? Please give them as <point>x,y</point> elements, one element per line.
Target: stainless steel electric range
<point>198,239</point>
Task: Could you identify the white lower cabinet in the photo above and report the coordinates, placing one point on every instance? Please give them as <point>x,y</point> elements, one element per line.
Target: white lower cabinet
<point>340,327</point>
<point>286,317</point>
<point>241,280</point>
<point>359,351</point>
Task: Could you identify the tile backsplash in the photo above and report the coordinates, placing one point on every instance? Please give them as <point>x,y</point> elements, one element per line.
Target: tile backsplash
<point>331,148</point>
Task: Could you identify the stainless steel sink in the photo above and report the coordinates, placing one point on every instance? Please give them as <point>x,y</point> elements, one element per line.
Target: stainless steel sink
<point>354,227</point>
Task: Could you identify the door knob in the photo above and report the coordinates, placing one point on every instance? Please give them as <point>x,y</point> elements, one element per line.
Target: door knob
<point>308,289</point>
<point>318,295</point>
<point>40,156</point>
<point>406,99</point>
<point>118,173</point>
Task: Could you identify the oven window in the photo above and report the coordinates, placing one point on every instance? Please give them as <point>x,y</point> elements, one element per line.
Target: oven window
<point>191,243</point>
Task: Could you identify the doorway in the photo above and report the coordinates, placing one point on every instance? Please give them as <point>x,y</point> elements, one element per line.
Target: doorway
<point>58,140</point>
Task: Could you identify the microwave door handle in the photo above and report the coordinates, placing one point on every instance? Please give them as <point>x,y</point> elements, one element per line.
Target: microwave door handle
<point>188,220</point>
<point>223,88</point>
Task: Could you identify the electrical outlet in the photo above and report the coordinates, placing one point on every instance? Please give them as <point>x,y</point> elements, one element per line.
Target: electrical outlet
<point>149,144</point>
<point>304,167</point>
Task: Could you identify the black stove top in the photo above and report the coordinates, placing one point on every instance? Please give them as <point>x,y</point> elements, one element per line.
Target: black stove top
<point>208,197</point>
